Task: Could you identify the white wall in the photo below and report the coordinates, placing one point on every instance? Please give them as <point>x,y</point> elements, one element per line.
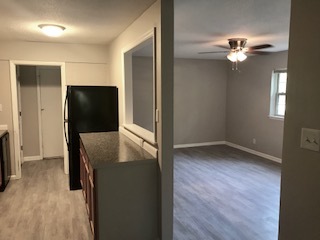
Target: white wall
<point>200,95</point>
<point>145,23</point>
<point>159,15</point>
<point>87,74</point>
<point>85,65</point>
<point>38,51</point>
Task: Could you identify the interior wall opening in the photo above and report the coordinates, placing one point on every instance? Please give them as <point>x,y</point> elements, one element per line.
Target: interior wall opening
<point>38,90</point>
<point>228,145</point>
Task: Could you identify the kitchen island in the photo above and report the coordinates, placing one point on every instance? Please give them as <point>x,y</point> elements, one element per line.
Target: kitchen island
<point>120,187</point>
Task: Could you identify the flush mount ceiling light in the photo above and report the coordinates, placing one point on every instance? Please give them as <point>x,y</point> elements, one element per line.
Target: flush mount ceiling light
<point>52,30</point>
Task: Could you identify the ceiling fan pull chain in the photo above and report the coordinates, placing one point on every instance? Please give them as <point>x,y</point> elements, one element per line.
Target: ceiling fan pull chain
<point>235,65</point>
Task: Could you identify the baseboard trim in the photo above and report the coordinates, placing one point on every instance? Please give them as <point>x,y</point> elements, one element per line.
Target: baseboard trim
<point>32,158</point>
<point>230,144</point>
<point>14,177</point>
<point>260,154</point>
<point>188,145</point>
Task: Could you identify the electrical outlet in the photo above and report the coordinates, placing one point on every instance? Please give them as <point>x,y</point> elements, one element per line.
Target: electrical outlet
<point>310,139</point>
<point>254,141</point>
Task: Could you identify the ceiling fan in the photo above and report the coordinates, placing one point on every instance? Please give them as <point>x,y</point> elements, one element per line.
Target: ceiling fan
<point>237,49</point>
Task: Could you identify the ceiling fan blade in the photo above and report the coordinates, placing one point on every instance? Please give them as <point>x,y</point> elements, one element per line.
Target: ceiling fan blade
<point>213,52</point>
<point>222,46</point>
<point>262,46</point>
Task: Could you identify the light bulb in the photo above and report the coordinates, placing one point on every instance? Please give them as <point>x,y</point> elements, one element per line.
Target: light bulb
<point>52,30</point>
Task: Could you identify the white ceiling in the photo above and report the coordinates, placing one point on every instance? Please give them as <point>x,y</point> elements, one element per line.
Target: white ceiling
<point>202,24</point>
<point>199,24</point>
<point>86,21</point>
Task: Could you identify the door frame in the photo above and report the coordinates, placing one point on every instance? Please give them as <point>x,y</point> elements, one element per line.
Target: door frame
<point>19,112</point>
<point>39,111</point>
<point>15,110</point>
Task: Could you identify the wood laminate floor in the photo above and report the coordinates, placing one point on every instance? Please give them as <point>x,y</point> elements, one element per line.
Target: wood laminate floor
<point>40,206</point>
<point>222,193</point>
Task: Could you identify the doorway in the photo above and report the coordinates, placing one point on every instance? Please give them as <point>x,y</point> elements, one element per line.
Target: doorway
<point>51,96</point>
<point>40,112</point>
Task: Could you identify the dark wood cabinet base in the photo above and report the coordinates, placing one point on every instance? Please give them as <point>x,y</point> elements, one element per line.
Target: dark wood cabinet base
<point>5,162</point>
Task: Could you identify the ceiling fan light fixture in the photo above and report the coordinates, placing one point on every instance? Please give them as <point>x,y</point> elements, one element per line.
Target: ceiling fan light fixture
<point>232,56</point>
<point>52,30</point>
<point>241,56</point>
<point>235,56</point>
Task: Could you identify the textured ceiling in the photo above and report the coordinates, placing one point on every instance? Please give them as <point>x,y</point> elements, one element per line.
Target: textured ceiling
<point>199,24</point>
<point>202,24</point>
<point>86,21</point>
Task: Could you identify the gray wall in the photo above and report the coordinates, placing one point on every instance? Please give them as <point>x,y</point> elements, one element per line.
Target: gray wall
<point>199,100</point>
<point>248,103</point>
<point>214,103</point>
<point>29,110</point>
<point>142,84</point>
<point>300,184</point>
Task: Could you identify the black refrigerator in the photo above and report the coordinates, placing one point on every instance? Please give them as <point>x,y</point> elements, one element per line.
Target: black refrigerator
<point>90,109</point>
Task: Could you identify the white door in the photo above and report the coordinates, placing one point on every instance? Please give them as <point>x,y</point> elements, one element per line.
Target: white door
<point>51,113</point>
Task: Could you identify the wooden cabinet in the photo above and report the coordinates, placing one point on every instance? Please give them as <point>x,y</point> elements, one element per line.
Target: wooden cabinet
<point>5,162</point>
<point>120,187</point>
<point>86,180</point>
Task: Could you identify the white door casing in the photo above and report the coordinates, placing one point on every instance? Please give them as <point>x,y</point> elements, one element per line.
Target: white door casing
<point>51,114</point>
<point>15,113</point>
<point>19,112</point>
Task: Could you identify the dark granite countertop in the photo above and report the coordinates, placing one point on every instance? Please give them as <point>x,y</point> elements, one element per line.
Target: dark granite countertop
<point>106,148</point>
<point>2,132</point>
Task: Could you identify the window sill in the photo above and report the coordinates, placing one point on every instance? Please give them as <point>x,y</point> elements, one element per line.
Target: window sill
<point>276,118</point>
<point>141,132</point>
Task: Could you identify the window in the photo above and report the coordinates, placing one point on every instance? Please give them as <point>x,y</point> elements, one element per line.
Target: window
<point>278,93</point>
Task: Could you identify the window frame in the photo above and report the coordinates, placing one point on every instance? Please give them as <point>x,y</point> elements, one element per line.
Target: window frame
<point>275,94</point>
<point>149,136</point>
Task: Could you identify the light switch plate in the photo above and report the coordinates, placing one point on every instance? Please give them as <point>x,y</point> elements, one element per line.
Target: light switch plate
<point>310,139</point>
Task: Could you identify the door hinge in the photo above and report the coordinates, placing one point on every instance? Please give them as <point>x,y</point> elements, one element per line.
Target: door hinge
<point>21,148</point>
<point>20,113</point>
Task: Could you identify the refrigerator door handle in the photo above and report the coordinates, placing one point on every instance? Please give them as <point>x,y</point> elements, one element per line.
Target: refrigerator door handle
<point>65,120</point>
